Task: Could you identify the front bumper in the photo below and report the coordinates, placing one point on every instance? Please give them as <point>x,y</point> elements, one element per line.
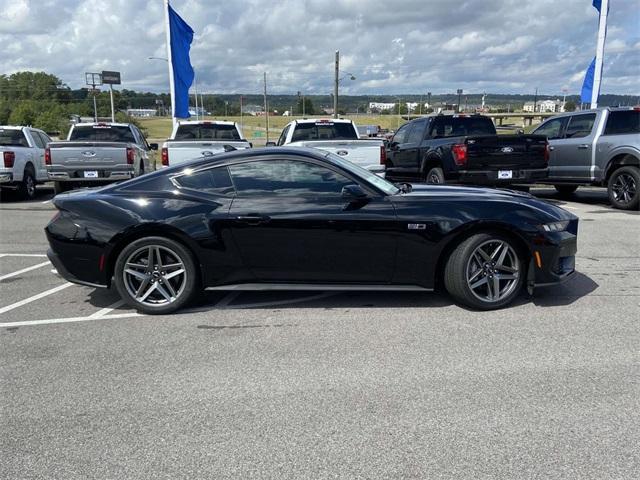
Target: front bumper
<point>490,177</point>
<point>553,259</point>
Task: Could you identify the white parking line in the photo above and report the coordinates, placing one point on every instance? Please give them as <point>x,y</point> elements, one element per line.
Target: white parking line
<point>28,323</point>
<point>13,306</point>
<point>24,270</point>
<point>39,255</point>
<point>104,311</point>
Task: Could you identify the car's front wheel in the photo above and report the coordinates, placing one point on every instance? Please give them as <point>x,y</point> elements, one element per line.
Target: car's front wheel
<point>156,275</point>
<point>485,272</point>
<point>624,188</point>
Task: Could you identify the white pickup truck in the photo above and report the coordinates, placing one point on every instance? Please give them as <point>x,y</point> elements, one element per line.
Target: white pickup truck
<point>98,153</point>
<point>191,140</point>
<point>339,136</point>
<point>22,150</point>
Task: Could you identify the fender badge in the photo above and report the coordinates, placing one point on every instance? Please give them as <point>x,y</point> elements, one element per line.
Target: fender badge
<point>342,153</point>
<point>417,226</point>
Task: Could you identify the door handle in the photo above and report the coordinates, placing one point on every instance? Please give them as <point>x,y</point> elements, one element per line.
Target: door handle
<point>583,146</point>
<point>253,219</point>
<point>552,148</point>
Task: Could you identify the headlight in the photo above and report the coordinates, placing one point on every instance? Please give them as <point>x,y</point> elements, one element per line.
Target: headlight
<point>555,226</point>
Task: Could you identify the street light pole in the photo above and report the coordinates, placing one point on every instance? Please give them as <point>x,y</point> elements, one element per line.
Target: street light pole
<point>335,85</point>
<point>266,107</point>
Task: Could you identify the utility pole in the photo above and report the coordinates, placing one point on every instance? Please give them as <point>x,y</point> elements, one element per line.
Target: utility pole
<point>459,95</point>
<point>429,99</point>
<point>335,85</point>
<point>266,106</point>
<point>241,125</point>
<point>195,87</point>
<point>535,101</point>
<point>420,108</point>
<point>303,109</point>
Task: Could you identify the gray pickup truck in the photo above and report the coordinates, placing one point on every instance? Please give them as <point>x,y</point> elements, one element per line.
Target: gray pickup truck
<point>96,153</point>
<point>598,147</point>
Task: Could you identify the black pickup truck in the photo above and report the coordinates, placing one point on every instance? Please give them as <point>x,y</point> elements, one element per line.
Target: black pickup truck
<point>464,149</point>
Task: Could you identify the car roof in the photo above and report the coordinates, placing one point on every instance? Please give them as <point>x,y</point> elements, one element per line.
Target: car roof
<point>324,120</point>
<point>206,122</point>
<point>102,124</point>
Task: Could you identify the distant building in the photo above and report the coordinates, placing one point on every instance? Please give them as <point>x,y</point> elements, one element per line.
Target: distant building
<point>380,106</point>
<point>544,106</point>
<point>253,109</point>
<point>141,112</point>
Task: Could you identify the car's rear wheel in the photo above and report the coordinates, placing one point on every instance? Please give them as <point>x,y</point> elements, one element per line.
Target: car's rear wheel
<point>435,175</point>
<point>27,188</point>
<point>564,190</point>
<point>156,275</point>
<point>486,272</point>
<point>624,188</point>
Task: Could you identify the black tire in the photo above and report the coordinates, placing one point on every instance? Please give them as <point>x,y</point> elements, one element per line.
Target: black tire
<point>59,187</point>
<point>434,176</point>
<point>624,188</point>
<point>565,190</point>
<point>459,268</point>
<point>184,285</point>
<point>27,187</point>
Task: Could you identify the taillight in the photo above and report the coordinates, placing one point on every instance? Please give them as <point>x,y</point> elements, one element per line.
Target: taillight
<point>546,153</point>
<point>383,155</point>
<point>47,156</point>
<point>131,155</point>
<point>165,156</point>
<point>459,151</point>
<point>9,159</point>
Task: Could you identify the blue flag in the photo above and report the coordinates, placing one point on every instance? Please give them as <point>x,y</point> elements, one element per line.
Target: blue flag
<point>597,4</point>
<point>181,35</point>
<point>587,85</point>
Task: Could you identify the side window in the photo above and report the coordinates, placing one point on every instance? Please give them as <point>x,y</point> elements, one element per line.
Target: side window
<point>401,135</point>
<point>580,126</point>
<point>552,128</point>
<point>417,132</point>
<point>286,177</point>
<point>45,138</point>
<point>36,139</point>
<point>283,135</point>
<point>213,180</point>
<point>623,122</point>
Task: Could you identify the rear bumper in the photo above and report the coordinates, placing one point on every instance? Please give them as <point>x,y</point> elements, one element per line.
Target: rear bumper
<point>6,177</point>
<point>490,177</point>
<point>78,175</point>
<point>66,274</point>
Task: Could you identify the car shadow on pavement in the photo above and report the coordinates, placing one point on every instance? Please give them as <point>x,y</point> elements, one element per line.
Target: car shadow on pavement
<point>565,293</point>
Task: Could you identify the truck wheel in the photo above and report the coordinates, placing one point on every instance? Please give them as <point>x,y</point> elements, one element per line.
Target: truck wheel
<point>59,187</point>
<point>564,190</point>
<point>485,272</point>
<point>156,275</point>
<point>623,188</point>
<point>27,188</point>
<point>435,175</point>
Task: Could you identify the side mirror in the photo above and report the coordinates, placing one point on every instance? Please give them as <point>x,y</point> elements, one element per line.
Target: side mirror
<point>153,146</point>
<point>520,131</point>
<point>270,144</point>
<point>353,192</point>
<point>393,145</point>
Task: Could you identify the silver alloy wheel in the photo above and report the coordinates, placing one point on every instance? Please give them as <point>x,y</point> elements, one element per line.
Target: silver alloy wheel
<point>433,178</point>
<point>624,188</point>
<point>493,271</point>
<point>154,275</point>
<point>30,186</point>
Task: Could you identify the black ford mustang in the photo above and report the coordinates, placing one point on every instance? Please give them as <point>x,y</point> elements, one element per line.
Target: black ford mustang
<point>286,218</point>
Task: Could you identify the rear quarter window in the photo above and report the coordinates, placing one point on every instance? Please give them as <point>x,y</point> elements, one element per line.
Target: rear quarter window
<point>12,138</point>
<point>207,132</point>
<point>623,122</point>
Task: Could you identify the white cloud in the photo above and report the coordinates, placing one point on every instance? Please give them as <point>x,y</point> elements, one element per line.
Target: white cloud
<point>407,46</point>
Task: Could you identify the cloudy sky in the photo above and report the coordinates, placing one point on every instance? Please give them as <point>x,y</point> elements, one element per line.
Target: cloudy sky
<point>391,46</point>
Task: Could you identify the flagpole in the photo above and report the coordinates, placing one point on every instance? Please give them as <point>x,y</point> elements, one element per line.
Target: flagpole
<point>169,62</point>
<point>602,34</point>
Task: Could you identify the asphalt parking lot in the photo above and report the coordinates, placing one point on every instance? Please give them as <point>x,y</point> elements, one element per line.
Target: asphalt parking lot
<point>323,385</point>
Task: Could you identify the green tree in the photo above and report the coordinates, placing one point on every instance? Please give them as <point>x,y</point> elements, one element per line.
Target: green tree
<point>309,109</point>
<point>24,113</point>
<point>569,106</point>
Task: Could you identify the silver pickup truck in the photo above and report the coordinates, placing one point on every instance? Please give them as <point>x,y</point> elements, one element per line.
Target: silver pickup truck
<point>22,152</point>
<point>598,147</point>
<point>339,136</point>
<point>191,140</point>
<point>96,153</point>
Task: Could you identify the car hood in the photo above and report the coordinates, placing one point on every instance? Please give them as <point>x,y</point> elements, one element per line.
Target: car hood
<point>425,193</point>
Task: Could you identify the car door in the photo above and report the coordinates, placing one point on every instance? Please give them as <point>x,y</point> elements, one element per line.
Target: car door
<point>396,152</point>
<point>553,129</point>
<point>408,158</point>
<point>38,158</point>
<point>291,224</point>
<point>573,150</point>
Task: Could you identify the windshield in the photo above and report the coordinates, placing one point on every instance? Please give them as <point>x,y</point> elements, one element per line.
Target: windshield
<point>102,133</point>
<point>207,131</point>
<point>324,131</point>
<point>379,182</point>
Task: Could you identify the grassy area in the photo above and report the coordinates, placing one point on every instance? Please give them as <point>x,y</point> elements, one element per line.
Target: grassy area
<point>159,128</point>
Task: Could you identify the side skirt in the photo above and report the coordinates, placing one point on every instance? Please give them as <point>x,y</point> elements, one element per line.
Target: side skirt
<point>320,287</point>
